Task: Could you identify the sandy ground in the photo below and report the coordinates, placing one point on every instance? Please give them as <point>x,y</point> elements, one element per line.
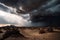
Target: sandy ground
<point>33,34</point>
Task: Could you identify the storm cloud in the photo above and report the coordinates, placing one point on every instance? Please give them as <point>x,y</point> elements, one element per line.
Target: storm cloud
<point>39,10</point>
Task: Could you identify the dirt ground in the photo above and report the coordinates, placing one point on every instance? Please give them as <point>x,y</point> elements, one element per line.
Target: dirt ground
<point>33,34</point>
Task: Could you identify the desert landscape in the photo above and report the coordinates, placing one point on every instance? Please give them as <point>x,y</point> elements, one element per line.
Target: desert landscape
<point>32,12</point>
<point>34,33</point>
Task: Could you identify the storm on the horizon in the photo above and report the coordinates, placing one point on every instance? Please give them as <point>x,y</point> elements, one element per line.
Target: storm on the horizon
<point>34,10</point>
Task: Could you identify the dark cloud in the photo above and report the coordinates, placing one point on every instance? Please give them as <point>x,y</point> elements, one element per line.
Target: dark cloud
<point>48,13</point>
<point>37,8</point>
<point>11,3</point>
<point>4,8</point>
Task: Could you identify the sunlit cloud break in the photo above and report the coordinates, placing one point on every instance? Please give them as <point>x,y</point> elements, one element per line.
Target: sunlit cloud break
<point>8,18</point>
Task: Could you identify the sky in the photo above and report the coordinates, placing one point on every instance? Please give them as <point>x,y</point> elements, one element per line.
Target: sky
<point>6,17</point>
<point>52,6</point>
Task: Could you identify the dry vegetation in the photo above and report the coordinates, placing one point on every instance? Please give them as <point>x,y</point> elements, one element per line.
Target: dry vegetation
<point>33,34</point>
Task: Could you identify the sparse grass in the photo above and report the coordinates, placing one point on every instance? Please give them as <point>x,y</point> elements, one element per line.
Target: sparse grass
<point>33,34</point>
